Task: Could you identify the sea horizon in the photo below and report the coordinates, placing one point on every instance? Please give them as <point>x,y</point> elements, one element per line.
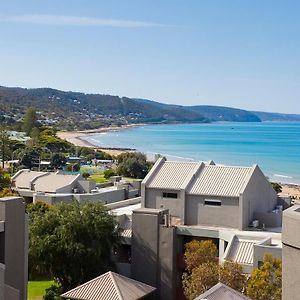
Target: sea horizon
<point>274,146</point>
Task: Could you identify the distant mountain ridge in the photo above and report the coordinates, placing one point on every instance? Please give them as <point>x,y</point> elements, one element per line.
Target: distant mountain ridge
<point>74,110</point>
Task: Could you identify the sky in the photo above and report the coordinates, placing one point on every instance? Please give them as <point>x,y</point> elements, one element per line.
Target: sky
<point>236,53</point>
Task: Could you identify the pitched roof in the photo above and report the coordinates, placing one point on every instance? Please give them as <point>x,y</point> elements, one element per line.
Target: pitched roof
<point>24,177</point>
<point>172,175</point>
<point>241,251</point>
<point>220,181</point>
<point>110,286</point>
<point>221,291</point>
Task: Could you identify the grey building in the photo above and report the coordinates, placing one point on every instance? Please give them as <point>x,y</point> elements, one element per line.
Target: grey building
<point>235,207</point>
<point>291,253</point>
<point>13,249</point>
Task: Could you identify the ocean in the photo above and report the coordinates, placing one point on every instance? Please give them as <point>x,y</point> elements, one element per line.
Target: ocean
<point>274,146</point>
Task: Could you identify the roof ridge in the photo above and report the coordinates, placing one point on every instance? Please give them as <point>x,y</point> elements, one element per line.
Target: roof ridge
<point>112,274</point>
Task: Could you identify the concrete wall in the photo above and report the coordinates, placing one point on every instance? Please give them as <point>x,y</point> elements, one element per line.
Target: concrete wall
<point>153,252</point>
<point>106,197</point>
<point>258,196</point>
<point>269,219</point>
<point>154,199</point>
<point>225,215</point>
<point>2,279</point>
<point>291,253</point>
<point>12,211</point>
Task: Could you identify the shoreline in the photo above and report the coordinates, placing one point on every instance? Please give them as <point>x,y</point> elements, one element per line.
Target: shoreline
<point>77,138</point>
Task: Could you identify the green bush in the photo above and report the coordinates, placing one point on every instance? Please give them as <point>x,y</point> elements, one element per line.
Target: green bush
<point>109,173</point>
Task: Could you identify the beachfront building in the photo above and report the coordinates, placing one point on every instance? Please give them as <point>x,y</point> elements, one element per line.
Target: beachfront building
<point>235,207</point>
<point>55,187</point>
<point>13,249</point>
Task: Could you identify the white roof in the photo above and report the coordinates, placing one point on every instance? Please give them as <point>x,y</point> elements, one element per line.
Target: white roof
<point>221,291</point>
<point>241,251</point>
<point>220,181</point>
<point>110,286</point>
<point>172,175</point>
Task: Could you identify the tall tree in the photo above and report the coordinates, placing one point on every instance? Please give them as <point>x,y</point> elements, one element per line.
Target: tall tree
<point>265,283</point>
<point>30,120</point>
<point>72,241</point>
<point>4,145</point>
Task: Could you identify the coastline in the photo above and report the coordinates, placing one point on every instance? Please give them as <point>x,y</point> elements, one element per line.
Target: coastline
<point>77,138</point>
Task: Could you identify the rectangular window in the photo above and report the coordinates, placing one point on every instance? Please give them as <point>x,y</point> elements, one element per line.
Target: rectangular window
<point>211,202</point>
<point>170,195</point>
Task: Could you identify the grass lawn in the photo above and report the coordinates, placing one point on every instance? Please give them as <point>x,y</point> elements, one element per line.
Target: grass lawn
<point>99,178</point>
<point>36,289</point>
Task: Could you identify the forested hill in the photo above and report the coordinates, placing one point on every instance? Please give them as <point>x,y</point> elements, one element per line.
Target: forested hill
<point>73,110</point>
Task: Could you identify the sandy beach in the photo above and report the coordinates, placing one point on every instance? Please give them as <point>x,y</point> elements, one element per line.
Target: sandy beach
<point>290,190</point>
<point>75,137</point>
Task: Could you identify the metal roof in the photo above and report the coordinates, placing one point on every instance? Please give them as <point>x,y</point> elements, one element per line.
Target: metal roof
<point>221,291</point>
<point>220,181</point>
<point>241,251</point>
<point>126,227</point>
<point>110,286</point>
<point>24,177</point>
<point>172,175</point>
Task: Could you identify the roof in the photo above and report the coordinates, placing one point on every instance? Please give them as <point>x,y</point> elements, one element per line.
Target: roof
<point>53,182</point>
<point>126,227</point>
<point>241,251</point>
<point>220,181</point>
<point>199,178</point>
<point>24,177</point>
<point>221,291</point>
<point>110,286</point>
<point>172,175</point>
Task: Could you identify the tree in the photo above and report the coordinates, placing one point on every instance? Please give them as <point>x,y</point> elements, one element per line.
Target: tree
<point>265,283</point>
<point>29,121</point>
<point>203,270</point>
<point>133,164</point>
<point>199,252</point>
<point>72,241</point>
<point>231,274</point>
<point>58,160</point>
<point>4,146</point>
<point>200,279</point>
<point>277,187</point>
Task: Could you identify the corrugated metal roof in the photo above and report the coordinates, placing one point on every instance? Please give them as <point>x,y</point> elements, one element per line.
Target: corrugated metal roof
<point>126,227</point>
<point>110,286</point>
<point>221,291</point>
<point>220,181</point>
<point>172,175</point>
<point>241,251</point>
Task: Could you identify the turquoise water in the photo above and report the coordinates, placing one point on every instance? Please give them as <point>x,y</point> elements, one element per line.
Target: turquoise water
<point>274,146</point>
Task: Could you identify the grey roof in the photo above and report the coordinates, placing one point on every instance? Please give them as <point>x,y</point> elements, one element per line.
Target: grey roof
<point>220,181</point>
<point>221,291</point>
<point>53,182</point>
<point>110,286</point>
<point>199,178</point>
<point>172,175</point>
<point>241,251</point>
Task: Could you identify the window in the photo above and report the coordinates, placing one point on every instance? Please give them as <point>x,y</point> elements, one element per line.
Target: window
<point>212,202</point>
<point>170,195</point>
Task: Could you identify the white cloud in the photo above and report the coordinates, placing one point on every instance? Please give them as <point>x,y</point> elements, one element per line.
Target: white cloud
<point>75,21</point>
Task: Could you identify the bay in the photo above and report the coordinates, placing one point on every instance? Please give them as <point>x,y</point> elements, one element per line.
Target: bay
<point>274,146</point>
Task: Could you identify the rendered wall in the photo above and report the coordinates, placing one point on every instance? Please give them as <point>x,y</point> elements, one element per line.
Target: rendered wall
<point>258,196</point>
<point>226,215</point>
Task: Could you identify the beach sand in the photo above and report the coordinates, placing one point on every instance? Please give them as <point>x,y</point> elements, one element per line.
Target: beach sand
<point>290,190</point>
<point>75,137</point>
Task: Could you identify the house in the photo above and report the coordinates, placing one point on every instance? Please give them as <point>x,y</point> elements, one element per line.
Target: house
<point>194,191</point>
<point>221,291</point>
<point>111,286</point>
<point>235,207</point>
<point>13,249</point>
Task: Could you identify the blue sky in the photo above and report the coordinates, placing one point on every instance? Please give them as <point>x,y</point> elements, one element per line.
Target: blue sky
<point>227,52</point>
